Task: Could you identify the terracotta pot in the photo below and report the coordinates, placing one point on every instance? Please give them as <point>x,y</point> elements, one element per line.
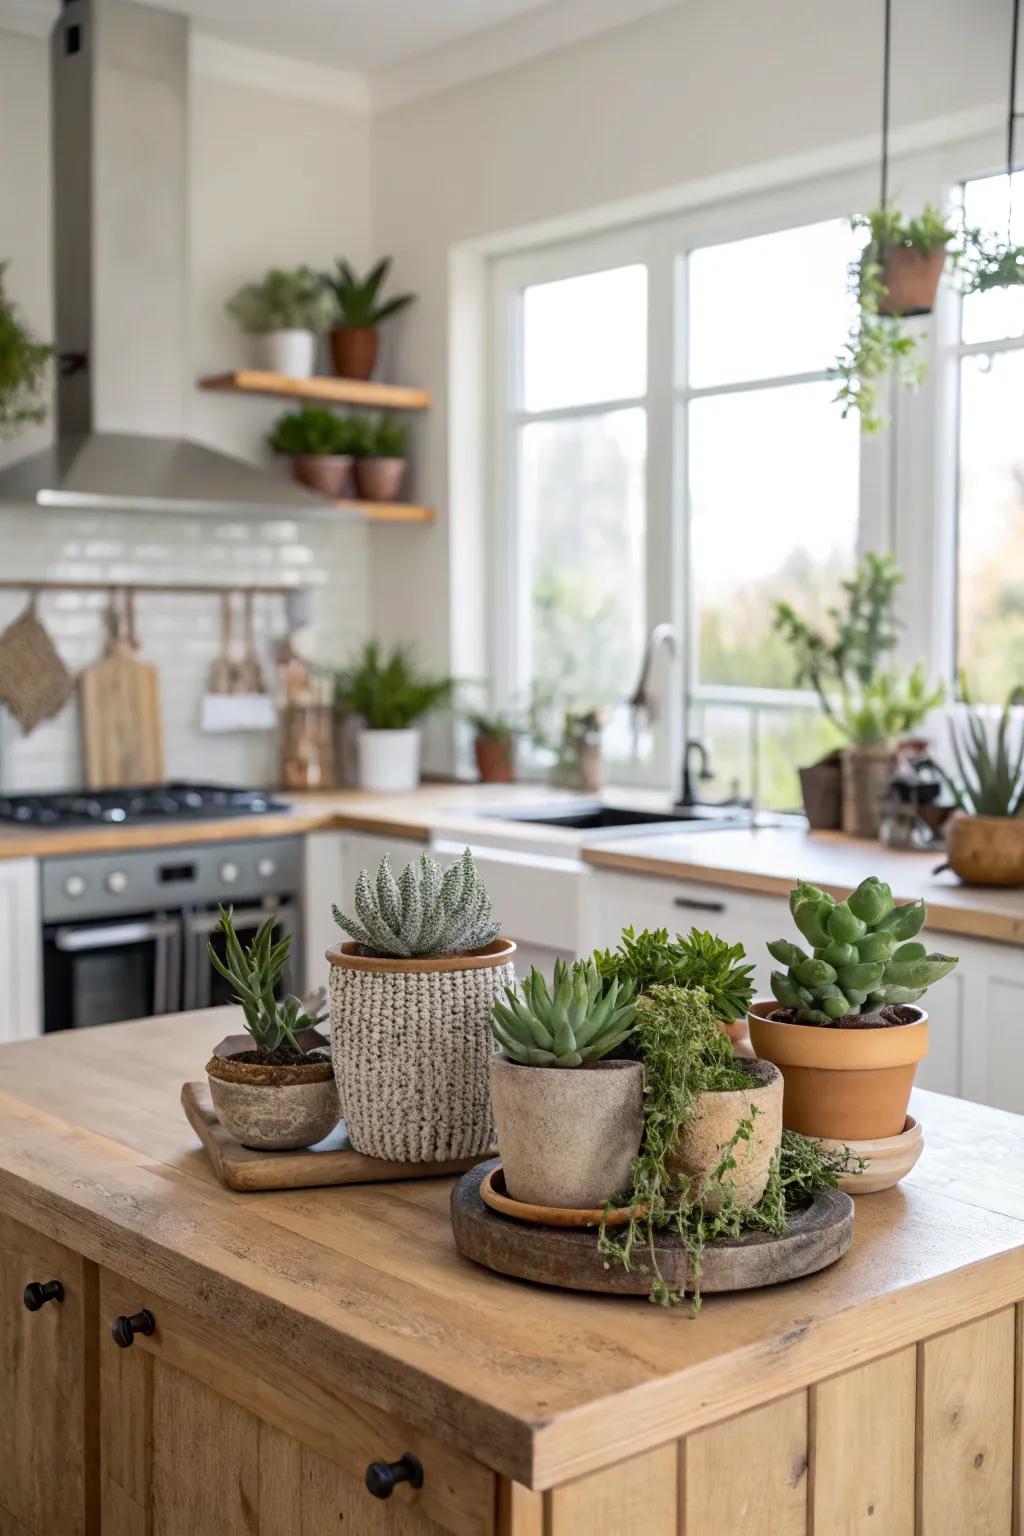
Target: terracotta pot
<point>274,1109</point>
<point>986,850</point>
<point>704,1140</point>
<point>327,473</point>
<point>822,788</point>
<point>412,1045</point>
<point>495,759</point>
<point>911,280</point>
<point>866,774</point>
<point>567,1136</point>
<point>842,1084</point>
<point>380,479</point>
<point>354,351</point>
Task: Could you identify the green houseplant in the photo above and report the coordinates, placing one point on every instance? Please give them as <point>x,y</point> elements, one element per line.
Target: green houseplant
<point>700,959</point>
<point>844,1025</point>
<point>382,456</point>
<point>870,703</point>
<point>985,835</point>
<point>24,365</point>
<point>390,692</point>
<point>411,998</point>
<point>320,445</point>
<point>494,744</point>
<point>361,310</point>
<point>273,1088</point>
<point>283,313</point>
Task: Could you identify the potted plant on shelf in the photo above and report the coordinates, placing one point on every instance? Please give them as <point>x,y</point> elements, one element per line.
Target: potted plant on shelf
<point>844,1027</point>
<point>355,339</point>
<point>320,445</point>
<point>896,275</point>
<point>382,455</point>
<point>284,313</point>
<point>566,1138</point>
<point>411,1001</point>
<point>390,693</point>
<point>24,364</point>
<point>278,1091</point>
<point>870,704</point>
<point>985,834</point>
<point>700,959</point>
<point>494,745</point>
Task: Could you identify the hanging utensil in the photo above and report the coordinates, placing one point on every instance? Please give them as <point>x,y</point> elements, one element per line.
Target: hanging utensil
<point>122,725</point>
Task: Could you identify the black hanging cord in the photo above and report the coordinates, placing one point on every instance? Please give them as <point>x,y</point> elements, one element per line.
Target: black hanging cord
<point>1012,113</point>
<point>886,63</point>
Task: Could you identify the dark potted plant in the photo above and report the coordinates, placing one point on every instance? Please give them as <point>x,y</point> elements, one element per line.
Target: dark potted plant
<point>494,745</point>
<point>844,1026</point>
<point>411,1002</point>
<point>320,445</point>
<point>355,338</point>
<point>284,313</point>
<point>390,693</point>
<point>985,834</point>
<point>276,1092</point>
<point>24,364</point>
<point>870,704</point>
<point>381,457</point>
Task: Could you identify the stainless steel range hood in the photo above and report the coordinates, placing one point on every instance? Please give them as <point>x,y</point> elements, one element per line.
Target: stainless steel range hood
<point>120,87</point>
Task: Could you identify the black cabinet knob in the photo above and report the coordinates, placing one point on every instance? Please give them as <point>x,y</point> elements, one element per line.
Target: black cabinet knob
<point>124,1329</point>
<point>382,1477</point>
<point>39,1292</point>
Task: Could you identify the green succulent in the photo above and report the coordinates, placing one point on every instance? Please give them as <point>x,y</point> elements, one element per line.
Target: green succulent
<point>990,772</point>
<point>580,1019</point>
<point>864,954</point>
<point>358,298</point>
<point>254,973</point>
<point>426,911</point>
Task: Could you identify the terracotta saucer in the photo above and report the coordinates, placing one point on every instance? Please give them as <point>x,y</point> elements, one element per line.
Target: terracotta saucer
<point>494,1194</point>
<point>888,1159</point>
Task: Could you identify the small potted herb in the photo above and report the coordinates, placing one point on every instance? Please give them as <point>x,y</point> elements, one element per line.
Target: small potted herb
<point>390,693</point>
<point>700,959</point>
<point>382,455</point>
<point>985,835</point>
<point>320,445</point>
<point>494,745</point>
<point>278,1092</point>
<point>24,364</point>
<point>844,1027</point>
<point>284,313</point>
<point>361,310</point>
<point>411,998</point>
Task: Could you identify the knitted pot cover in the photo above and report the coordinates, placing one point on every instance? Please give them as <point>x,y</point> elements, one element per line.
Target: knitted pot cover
<point>411,1055</point>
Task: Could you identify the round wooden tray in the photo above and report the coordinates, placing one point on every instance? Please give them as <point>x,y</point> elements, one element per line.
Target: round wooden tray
<point>816,1237</point>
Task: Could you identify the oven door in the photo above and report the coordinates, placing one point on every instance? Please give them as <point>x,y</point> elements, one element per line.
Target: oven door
<point>205,987</point>
<point>103,972</point>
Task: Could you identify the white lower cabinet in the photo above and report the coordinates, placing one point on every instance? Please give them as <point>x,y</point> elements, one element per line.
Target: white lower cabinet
<point>332,864</point>
<point>21,1013</point>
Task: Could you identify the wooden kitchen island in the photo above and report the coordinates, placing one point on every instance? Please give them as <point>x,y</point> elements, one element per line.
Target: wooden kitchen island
<point>300,1336</point>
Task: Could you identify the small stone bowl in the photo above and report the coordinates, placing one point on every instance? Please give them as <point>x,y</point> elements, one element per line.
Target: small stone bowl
<point>273,1109</point>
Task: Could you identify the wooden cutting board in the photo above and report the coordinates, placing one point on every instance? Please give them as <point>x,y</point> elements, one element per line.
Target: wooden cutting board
<point>122,726</point>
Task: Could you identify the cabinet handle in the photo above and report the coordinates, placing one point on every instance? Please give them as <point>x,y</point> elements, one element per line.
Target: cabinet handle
<point>691,904</point>
<point>382,1476</point>
<point>39,1292</point>
<point>124,1329</point>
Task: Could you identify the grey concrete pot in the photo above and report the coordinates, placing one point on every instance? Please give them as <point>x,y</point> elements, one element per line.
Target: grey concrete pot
<point>702,1143</point>
<point>273,1116</point>
<point>567,1136</point>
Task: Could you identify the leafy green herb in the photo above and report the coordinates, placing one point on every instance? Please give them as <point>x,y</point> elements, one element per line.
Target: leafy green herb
<point>701,959</point>
<point>254,973</point>
<point>385,439</point>
<point>388,688</point>
<point>284,299</point>
<point>315,430</point>
<point>358,298</point>
<point>24,363</point>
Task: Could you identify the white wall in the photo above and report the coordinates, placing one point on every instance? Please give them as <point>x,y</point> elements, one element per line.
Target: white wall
<point>276,180</point>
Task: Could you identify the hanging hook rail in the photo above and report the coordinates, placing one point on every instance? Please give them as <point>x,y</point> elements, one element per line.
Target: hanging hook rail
<point>182,589</point>
<point>886,73</point>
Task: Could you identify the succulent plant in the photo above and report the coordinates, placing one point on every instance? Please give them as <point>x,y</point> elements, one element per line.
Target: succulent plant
<point>864,954</point>
<point>579,1020</point>
<point>990,773</point>
<point>424,912</point>
<point>254,973</point>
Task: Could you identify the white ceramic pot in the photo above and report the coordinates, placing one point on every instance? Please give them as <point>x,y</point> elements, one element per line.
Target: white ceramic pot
<point>389,759</point>
<point>292,353</point>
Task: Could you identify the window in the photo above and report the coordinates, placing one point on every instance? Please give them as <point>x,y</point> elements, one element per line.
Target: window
<point>990,514</point>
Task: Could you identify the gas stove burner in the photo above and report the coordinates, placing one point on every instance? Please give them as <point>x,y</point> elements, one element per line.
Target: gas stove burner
<point>153,802</point>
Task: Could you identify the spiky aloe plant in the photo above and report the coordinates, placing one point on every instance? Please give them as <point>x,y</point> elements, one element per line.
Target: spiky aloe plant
<point>864,957</point>
<point>423,912</point>
<point>990,774</point>
<point>579,1020</point>
<point>254,973</point>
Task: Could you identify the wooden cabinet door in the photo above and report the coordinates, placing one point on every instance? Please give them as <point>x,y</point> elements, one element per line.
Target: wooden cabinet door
<point>48,1408</point>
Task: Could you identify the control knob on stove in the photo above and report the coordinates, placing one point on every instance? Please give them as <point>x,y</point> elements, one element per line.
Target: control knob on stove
<point>74,885</point>
<point>266,868</point>
<point>116,881</point>
<point>229,872</point>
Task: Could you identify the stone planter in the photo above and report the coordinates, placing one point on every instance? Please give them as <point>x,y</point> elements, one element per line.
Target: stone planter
<point>703,1141</point>
<point>567,1136</point>
<point>274,1109</point>
<point>841,1084</point>
<point>986,850</point>
<point>411,1042</point>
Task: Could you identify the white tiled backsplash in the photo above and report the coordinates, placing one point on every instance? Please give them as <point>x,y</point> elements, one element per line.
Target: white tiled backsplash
<point>180,634</point>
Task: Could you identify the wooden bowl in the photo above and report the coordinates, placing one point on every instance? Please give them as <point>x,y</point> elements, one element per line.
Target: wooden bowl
<point>494,1194</point>
<point>888,1159</point>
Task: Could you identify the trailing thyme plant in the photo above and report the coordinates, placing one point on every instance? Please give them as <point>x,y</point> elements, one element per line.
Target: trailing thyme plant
<point>701,959</point>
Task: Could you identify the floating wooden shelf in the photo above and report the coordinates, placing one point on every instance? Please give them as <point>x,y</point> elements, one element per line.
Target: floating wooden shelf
<point>249,381</point>
<point>389,511</point>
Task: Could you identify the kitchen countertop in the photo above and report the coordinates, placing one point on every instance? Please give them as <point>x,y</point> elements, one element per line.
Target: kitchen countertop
<point>362,1287</point>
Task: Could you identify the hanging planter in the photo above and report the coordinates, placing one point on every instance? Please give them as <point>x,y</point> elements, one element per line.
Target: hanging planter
<point>23,369</point>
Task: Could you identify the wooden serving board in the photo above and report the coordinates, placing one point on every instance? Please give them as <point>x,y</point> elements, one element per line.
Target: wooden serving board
<point>331,1161</point>
<point>816,1237</point>
<point>122,726</point>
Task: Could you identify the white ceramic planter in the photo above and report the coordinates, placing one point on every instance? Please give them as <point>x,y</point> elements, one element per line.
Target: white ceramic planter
<point>389,759</point>
<point>292,353</point>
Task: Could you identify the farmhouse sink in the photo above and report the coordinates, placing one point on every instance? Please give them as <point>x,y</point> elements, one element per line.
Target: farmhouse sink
<point>621,821</point>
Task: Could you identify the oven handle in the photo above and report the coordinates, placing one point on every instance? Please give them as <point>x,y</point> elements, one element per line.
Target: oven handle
<point>73,941</point>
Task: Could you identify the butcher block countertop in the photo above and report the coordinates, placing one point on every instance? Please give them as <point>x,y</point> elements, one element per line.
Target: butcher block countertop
<point>361,1288</point>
